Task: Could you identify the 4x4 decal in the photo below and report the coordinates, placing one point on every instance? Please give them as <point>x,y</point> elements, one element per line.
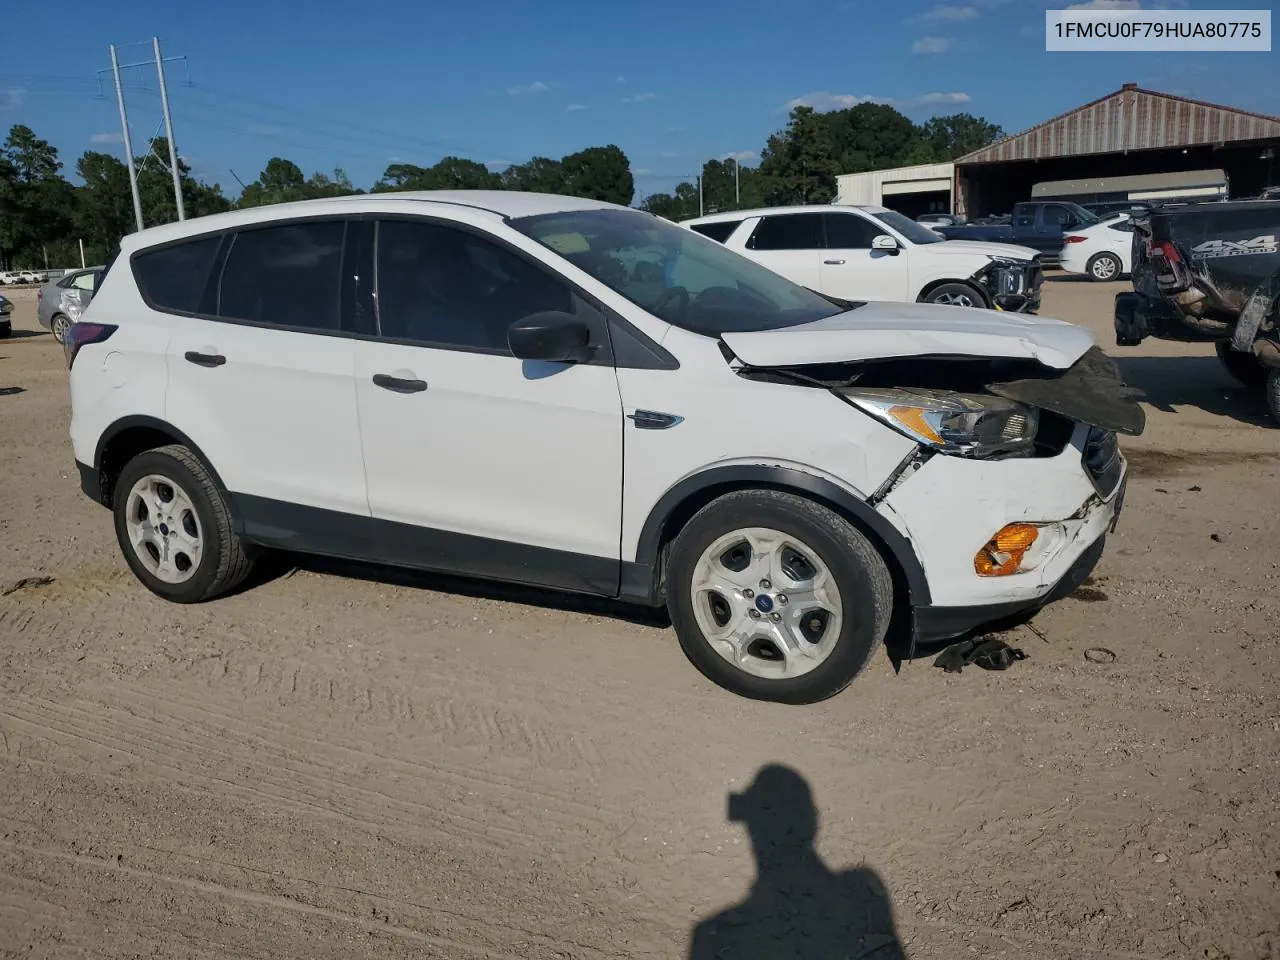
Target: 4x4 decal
<point>1212,249</point>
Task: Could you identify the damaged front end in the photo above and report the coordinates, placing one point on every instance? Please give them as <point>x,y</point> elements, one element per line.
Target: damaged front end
<point>1012,285</point>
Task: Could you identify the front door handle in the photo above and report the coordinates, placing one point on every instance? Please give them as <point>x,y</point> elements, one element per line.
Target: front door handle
<point>398,384</point>
<point>205,359</point>
<point>833,263</point>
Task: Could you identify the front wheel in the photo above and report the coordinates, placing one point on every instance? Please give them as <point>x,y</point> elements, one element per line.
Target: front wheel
<point>955,295</point>
<point>174,528</point>
<point>775,597</point>
<point>1103,267</point>
<point>1244,367</point>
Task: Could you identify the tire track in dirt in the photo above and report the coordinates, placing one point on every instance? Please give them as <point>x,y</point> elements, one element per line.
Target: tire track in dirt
<point>480,943</point>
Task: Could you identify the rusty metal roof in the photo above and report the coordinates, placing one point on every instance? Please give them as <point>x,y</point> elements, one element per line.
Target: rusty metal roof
<point>1129,119</point>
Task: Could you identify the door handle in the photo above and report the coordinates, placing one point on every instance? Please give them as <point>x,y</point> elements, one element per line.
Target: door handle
<point>205,359</point>
<point>398,384</point>
<point>833,263</point>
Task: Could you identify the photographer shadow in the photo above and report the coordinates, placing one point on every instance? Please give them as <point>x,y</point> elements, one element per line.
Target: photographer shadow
<point>797,907</point>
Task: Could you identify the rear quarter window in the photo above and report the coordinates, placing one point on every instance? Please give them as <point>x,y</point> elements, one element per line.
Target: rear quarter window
<point>174,278</point>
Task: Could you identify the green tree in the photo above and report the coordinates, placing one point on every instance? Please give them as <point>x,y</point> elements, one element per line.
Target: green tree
<point>798,165</point>
<point>155,187</point>
<point>599,173</point>
<point>869,136</point>
<point>104,211</point>
<point>539,175</point>
<point>36,203</point>
<point>450,173</point>
<point>955,135</point>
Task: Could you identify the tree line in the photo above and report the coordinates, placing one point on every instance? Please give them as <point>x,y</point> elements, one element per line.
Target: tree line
<point>43,215</point>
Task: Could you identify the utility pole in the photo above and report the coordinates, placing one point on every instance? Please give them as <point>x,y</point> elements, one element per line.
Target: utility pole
<point>737,188</point>
<point>700,191</point>
<point>128,143</point>
<point>168,131</point>
<point>82,251</point>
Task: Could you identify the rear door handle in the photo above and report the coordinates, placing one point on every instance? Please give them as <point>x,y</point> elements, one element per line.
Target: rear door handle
<point>833,263</point>
<point>205,359</point>
<point>398,384</point>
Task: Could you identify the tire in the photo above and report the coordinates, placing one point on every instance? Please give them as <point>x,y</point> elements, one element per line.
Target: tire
<point>1273,394</point>
<point>956,295</point>
<point>857,611</point>
<point>58,325</point>
<point>1104,267</point>
<point>216,560</point>
<point>1245,368</point>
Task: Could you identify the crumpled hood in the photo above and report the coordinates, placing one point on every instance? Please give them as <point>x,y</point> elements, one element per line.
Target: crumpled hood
<point>984,248</point>
<point>883,331</point>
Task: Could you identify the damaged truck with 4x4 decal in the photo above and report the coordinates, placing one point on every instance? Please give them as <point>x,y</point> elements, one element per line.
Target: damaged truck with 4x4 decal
<point>1210,273</point>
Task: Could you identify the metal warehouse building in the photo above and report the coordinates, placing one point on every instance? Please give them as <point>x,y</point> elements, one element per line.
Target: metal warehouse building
<point>1131,133</point>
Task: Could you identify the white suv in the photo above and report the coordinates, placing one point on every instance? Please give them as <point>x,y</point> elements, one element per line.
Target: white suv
<point>872,253</point>
<point>575,395</point>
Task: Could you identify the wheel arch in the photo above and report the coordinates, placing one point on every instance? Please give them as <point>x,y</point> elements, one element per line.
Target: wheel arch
<point>129,436</point>
<point>678,505</point>
<point>933,285</point>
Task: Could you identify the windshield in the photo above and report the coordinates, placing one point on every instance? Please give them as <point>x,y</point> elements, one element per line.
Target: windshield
<point>676,274</point>
<point>915,232</point>
<point>1084,216</point>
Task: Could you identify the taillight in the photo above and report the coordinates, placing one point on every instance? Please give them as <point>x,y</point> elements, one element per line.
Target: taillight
<point>81,335</point>
<point>1164,249</point>
<point>1074,238</point>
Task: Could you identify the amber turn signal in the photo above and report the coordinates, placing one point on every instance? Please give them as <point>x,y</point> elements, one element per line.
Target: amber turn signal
<point>1003,553</point>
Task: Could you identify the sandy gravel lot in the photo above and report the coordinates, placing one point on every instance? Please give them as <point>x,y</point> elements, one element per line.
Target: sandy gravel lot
<point>350,763</point>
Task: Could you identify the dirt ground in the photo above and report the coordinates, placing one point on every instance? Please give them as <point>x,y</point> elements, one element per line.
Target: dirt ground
<point>363,763</point>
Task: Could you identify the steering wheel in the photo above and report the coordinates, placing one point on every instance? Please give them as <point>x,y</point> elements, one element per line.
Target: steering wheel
<point>672,293</point>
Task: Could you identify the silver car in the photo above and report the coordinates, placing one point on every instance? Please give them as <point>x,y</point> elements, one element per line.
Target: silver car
<point>59,302</point>
<point>6,317</point>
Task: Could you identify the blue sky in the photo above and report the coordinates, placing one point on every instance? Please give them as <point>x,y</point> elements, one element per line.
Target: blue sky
<point>672,83</point>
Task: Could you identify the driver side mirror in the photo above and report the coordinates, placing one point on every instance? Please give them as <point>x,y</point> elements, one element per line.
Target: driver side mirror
<point>551,336</point>
<point>884,242</point>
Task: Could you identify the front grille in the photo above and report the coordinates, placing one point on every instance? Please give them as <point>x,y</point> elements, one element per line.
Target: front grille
<point>1102,460</point>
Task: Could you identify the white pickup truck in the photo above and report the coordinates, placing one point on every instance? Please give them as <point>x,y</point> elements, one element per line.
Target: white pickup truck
<point>872,253</point>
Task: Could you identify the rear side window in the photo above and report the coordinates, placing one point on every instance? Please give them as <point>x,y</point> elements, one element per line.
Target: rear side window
<point>285,276</point>
<point>1124,226</point>
<point>175,277</point>
<point>788,231</point>
<point>848,231</point>
<point>720,230</point>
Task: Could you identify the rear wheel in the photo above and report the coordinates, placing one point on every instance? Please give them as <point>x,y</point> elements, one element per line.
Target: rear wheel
<point>775,597</point>
<point>174,528</point>
<point>59,326</point>
<point>1104,266</point>
<point>1244,367</point>
<point>955,295</point>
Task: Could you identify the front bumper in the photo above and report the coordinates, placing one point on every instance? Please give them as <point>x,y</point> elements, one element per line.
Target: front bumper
<point>1013,287</point>
<point>951,506</point>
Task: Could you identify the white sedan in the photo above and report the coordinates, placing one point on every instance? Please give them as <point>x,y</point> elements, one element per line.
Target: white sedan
<point>1101,251</point>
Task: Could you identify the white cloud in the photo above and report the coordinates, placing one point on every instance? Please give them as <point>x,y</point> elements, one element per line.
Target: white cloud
<point>12,98</point>
<point>497,164</point>
<point>948,13</point>
<point>936,99</point>
<point>620,79</point>
<point>106,138</point>
<point>741,156</point>
<point>528,89</point>
<point>640,98</point>
<point>824,101</point>
<point>931,45</point>
<point>576,106</point>
<point>641,172</point>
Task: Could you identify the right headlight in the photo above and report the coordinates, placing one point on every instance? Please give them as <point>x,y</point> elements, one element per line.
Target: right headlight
<point>963,424</point>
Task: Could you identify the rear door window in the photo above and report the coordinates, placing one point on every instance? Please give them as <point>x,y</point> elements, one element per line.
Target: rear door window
<point>788,231</point>
<point>286,276</point>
